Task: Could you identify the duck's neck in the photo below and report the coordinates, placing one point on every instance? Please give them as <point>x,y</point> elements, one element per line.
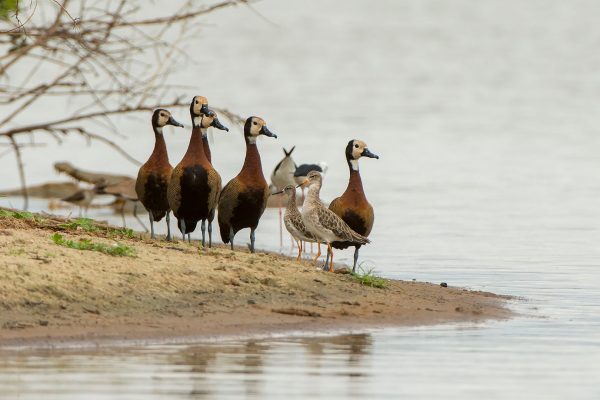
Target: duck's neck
<point>195,148</point>
<point>353,165</point>
<point>252,168</point>
<point>160,147</point>
<point>205,144</point>
<point>355,186</point>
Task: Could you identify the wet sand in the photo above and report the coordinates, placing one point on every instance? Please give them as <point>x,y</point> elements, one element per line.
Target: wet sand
<point>52,295</point>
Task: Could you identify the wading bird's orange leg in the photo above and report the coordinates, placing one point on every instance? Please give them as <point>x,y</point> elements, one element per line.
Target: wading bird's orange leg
<point>331,257</point>
<point>299,250</point>
<point>318,253</point>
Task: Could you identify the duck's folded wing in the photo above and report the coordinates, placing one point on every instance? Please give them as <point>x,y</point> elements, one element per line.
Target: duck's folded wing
<point>214,182</point>
<point>228,199</point>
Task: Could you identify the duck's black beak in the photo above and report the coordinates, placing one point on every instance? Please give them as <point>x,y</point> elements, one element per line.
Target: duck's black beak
<point>367,153</point>
<point>265,131</point>
<point>206,111</point>
<point>172,121</point>
<point>217,124</point>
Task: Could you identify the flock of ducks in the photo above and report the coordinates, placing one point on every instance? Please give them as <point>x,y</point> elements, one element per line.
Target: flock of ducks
<point>193,191</point>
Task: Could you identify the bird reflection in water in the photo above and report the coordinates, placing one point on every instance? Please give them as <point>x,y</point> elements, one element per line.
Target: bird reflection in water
<point>244,360</point>
<point>240,367</point>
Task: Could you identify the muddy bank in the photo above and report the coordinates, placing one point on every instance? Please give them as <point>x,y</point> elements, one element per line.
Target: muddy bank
<point>51,293</point>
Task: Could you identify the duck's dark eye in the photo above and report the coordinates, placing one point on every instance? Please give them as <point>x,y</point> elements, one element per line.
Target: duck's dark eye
<point>356,146</point>
<point>254,123</point>
<point>196,101</point>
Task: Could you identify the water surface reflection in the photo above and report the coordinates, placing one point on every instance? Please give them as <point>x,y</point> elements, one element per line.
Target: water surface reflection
<point>252,369</point>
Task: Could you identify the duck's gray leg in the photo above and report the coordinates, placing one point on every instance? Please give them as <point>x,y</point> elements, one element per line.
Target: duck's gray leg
<point>209,234</point>
<point>231,235</point>
<point>182,228</point>
<point>252,239</point>
<point>169,226</point>
<point>355,258</point>
<point>203,227</point>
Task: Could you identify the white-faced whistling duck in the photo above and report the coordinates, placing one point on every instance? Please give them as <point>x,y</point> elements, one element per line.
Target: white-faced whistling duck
<point>210,120</point>
<point>323,223</point>
<point>352,206</point>
<point>244,198</point>
<point>153,177</point>
<point>294,222</point>
<point>195,185</point>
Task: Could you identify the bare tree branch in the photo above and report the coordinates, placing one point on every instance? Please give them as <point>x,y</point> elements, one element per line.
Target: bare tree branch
<point>21,168</point>
<point>94,56</point>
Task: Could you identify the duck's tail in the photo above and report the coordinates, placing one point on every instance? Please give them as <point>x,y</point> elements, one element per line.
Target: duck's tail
<point>225,230</point>
<point>157,216</point>
<point>190,226</point>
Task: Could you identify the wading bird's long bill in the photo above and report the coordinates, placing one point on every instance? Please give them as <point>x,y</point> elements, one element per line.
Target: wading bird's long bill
<point>302,184</point>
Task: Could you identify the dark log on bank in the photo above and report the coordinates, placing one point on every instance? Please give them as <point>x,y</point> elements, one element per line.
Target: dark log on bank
<point>94,178</point>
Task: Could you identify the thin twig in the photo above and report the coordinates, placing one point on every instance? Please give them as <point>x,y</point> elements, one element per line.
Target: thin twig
<point>21,168</point>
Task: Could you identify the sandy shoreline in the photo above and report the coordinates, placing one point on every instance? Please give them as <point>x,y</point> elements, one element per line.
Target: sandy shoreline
<point>52,295</point>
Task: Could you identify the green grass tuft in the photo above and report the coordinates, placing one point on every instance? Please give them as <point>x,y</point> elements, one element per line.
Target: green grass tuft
<point>118,250</point>
<point>85,224</point>
<point>368,278</point>
<point>89,225</point>
<point>17,214</point>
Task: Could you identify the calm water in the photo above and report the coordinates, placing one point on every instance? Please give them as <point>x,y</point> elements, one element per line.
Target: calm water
<point>485,115</point>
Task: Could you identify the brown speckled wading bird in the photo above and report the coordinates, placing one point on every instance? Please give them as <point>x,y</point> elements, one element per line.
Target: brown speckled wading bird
<point>323,223</point>
<point>282,175</point>
<point>244,198</point>
<point>352,206</point>
<point>195,185</point>
<point>294,223</point>
<point>153,177</point>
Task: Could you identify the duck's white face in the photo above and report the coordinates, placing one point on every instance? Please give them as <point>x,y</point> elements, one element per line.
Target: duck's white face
<point>197,103</point>
<point>163,118</point>
<point>357,149</point>
<point>256,126</point>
